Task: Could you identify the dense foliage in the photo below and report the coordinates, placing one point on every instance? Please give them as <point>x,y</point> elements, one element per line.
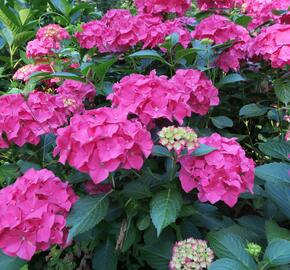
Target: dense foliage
<point>146,134</point>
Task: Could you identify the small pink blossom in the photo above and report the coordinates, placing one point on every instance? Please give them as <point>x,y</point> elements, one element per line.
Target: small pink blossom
<point>24,72</point>
<point>220,29</point>
<point>101,141</point>
<point>163,6</point>
<point>218,4</point>
<point>33,213</point>
<point>273,44</point>
<point>221,175</point>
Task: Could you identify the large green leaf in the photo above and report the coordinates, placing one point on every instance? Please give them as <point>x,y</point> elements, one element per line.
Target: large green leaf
<point>64,6</point>
<point>274,231</point>
<point>277,253</point>
<point>8,172</point>
<point>87,213</point>
<point>280,194</point>
<point>136,190</point>
<point>253,110</point>
<point>164,208</point>
<point>231,246</point>
<point>274,172</point>
<point>160,151</point>
<point>105,257</point>
<point>227,264</point>
<point>222,121</point>
<point>202,150</point>
<point>231,78</point>
<point>282,90</point>
<point>279,150</point>
<point>10,263</point>
<point>148,54</point>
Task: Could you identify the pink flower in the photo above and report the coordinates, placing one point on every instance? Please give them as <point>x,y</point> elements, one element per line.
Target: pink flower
<point>47,41</point>
<point>220,29</point>
<point>219,4</point>
<point>93,189</point>
<point>220,175</point>
<point>273,44</point>
<point>33,213</point>
<point>101,141</point>
<point>77,89</point>
<point>24,72</point>
<point>261,11</point>
<point>163,6</point>
<point>198,91</point>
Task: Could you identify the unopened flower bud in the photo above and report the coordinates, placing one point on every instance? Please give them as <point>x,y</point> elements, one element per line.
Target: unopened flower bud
<point>254,249</point>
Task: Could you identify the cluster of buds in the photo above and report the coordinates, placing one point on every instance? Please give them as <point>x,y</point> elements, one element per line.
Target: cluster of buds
<point>191,254</point>
<point>178,138</point>
<point>254,249</point>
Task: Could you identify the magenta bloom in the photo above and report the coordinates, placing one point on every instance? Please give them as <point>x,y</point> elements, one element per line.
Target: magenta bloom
<point>93,189</point>
<point>273,44</point>
<point>198,91</point>
<point>219,4</point>
<point>220,29</point>
<point>101,141</point>
<point>221,175</point>
<point>33,213</point>
<point>24,72</point>
<point>47,40</point>
<point>163,6</point>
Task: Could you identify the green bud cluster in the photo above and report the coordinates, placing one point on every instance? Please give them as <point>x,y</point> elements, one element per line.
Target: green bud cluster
<point>254,249</point>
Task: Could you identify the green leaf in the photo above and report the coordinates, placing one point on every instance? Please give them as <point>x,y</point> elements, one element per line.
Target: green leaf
<point>10,263</point>
<point>143,222</point>
<point>231,246</point>
<point>227,264</point>
<point>8,172</point>
<point>158,254</point>
<point>63,6</point>
<point>105,257</point>
<point>7,35</point>
<point>279,150</point>
<point>67,75</point>
<point>253,110</point>
<point>243,20</point>
<point>280,194</point>
<point>274,172</point>
<point>277,253</point>
<point>231,78</point>
<point>136,190</point>
<point>102,69</point>
<point>24,15</point>
<point>86,213</point>
<point>222,122</point>
<point>130,237</point>
<point>160,151</point>
<point>148,54</point>
<point>26,165</point>
<point>164,208</point>
<point>274,231</point>
<point>282,90</point>
<point>203,150</point>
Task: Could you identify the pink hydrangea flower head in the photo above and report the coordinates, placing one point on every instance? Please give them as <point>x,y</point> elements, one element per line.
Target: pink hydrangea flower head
<point>216,4</point>
<point>101,141</point>
<point>197,90</point>
<point>273,44</point>
<point>149,97</point>
<point>78,89</point>
<point>221,175</point>
<point>24,72</point>
<point>33,213</point>
<point>163,6</point>
<point>52,32</point>
<point>38,48</point>
<point>191,254</point>
<point>261,11</point>
<point>220,29</point>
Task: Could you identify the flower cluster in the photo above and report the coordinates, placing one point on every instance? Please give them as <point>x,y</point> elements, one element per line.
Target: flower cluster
<point>101,141</point>
<point>163,6</point>
<point>261,11</point>
<point>153,97</point>
<point>273,44</point>
<point>191,254</point>
<point>254,249</point>
<point>24,72</point>
<point>47,40</point>
<point>119,31</point>
<point>220,29</point>
<point>24,121</point>
<point>220,175</point>
<point>219,4</point>
<point>33,213</point>
<point>178,138</point>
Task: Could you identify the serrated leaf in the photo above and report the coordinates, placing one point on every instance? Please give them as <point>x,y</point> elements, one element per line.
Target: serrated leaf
<point>231,246</point>
<point>164,208</point>
<point>10,263</point>
<point>202,150</point>
<point>105,257</point>
<point>282,90</point>
<point>136,190</point>
<point>86,213</point>
<point>253,110</point>
<point>222,122</point>
<point>227,264</point>
<point>274,172</point>
<point>279,150</point>
<point>274,231</point>
<point>277,253</point>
